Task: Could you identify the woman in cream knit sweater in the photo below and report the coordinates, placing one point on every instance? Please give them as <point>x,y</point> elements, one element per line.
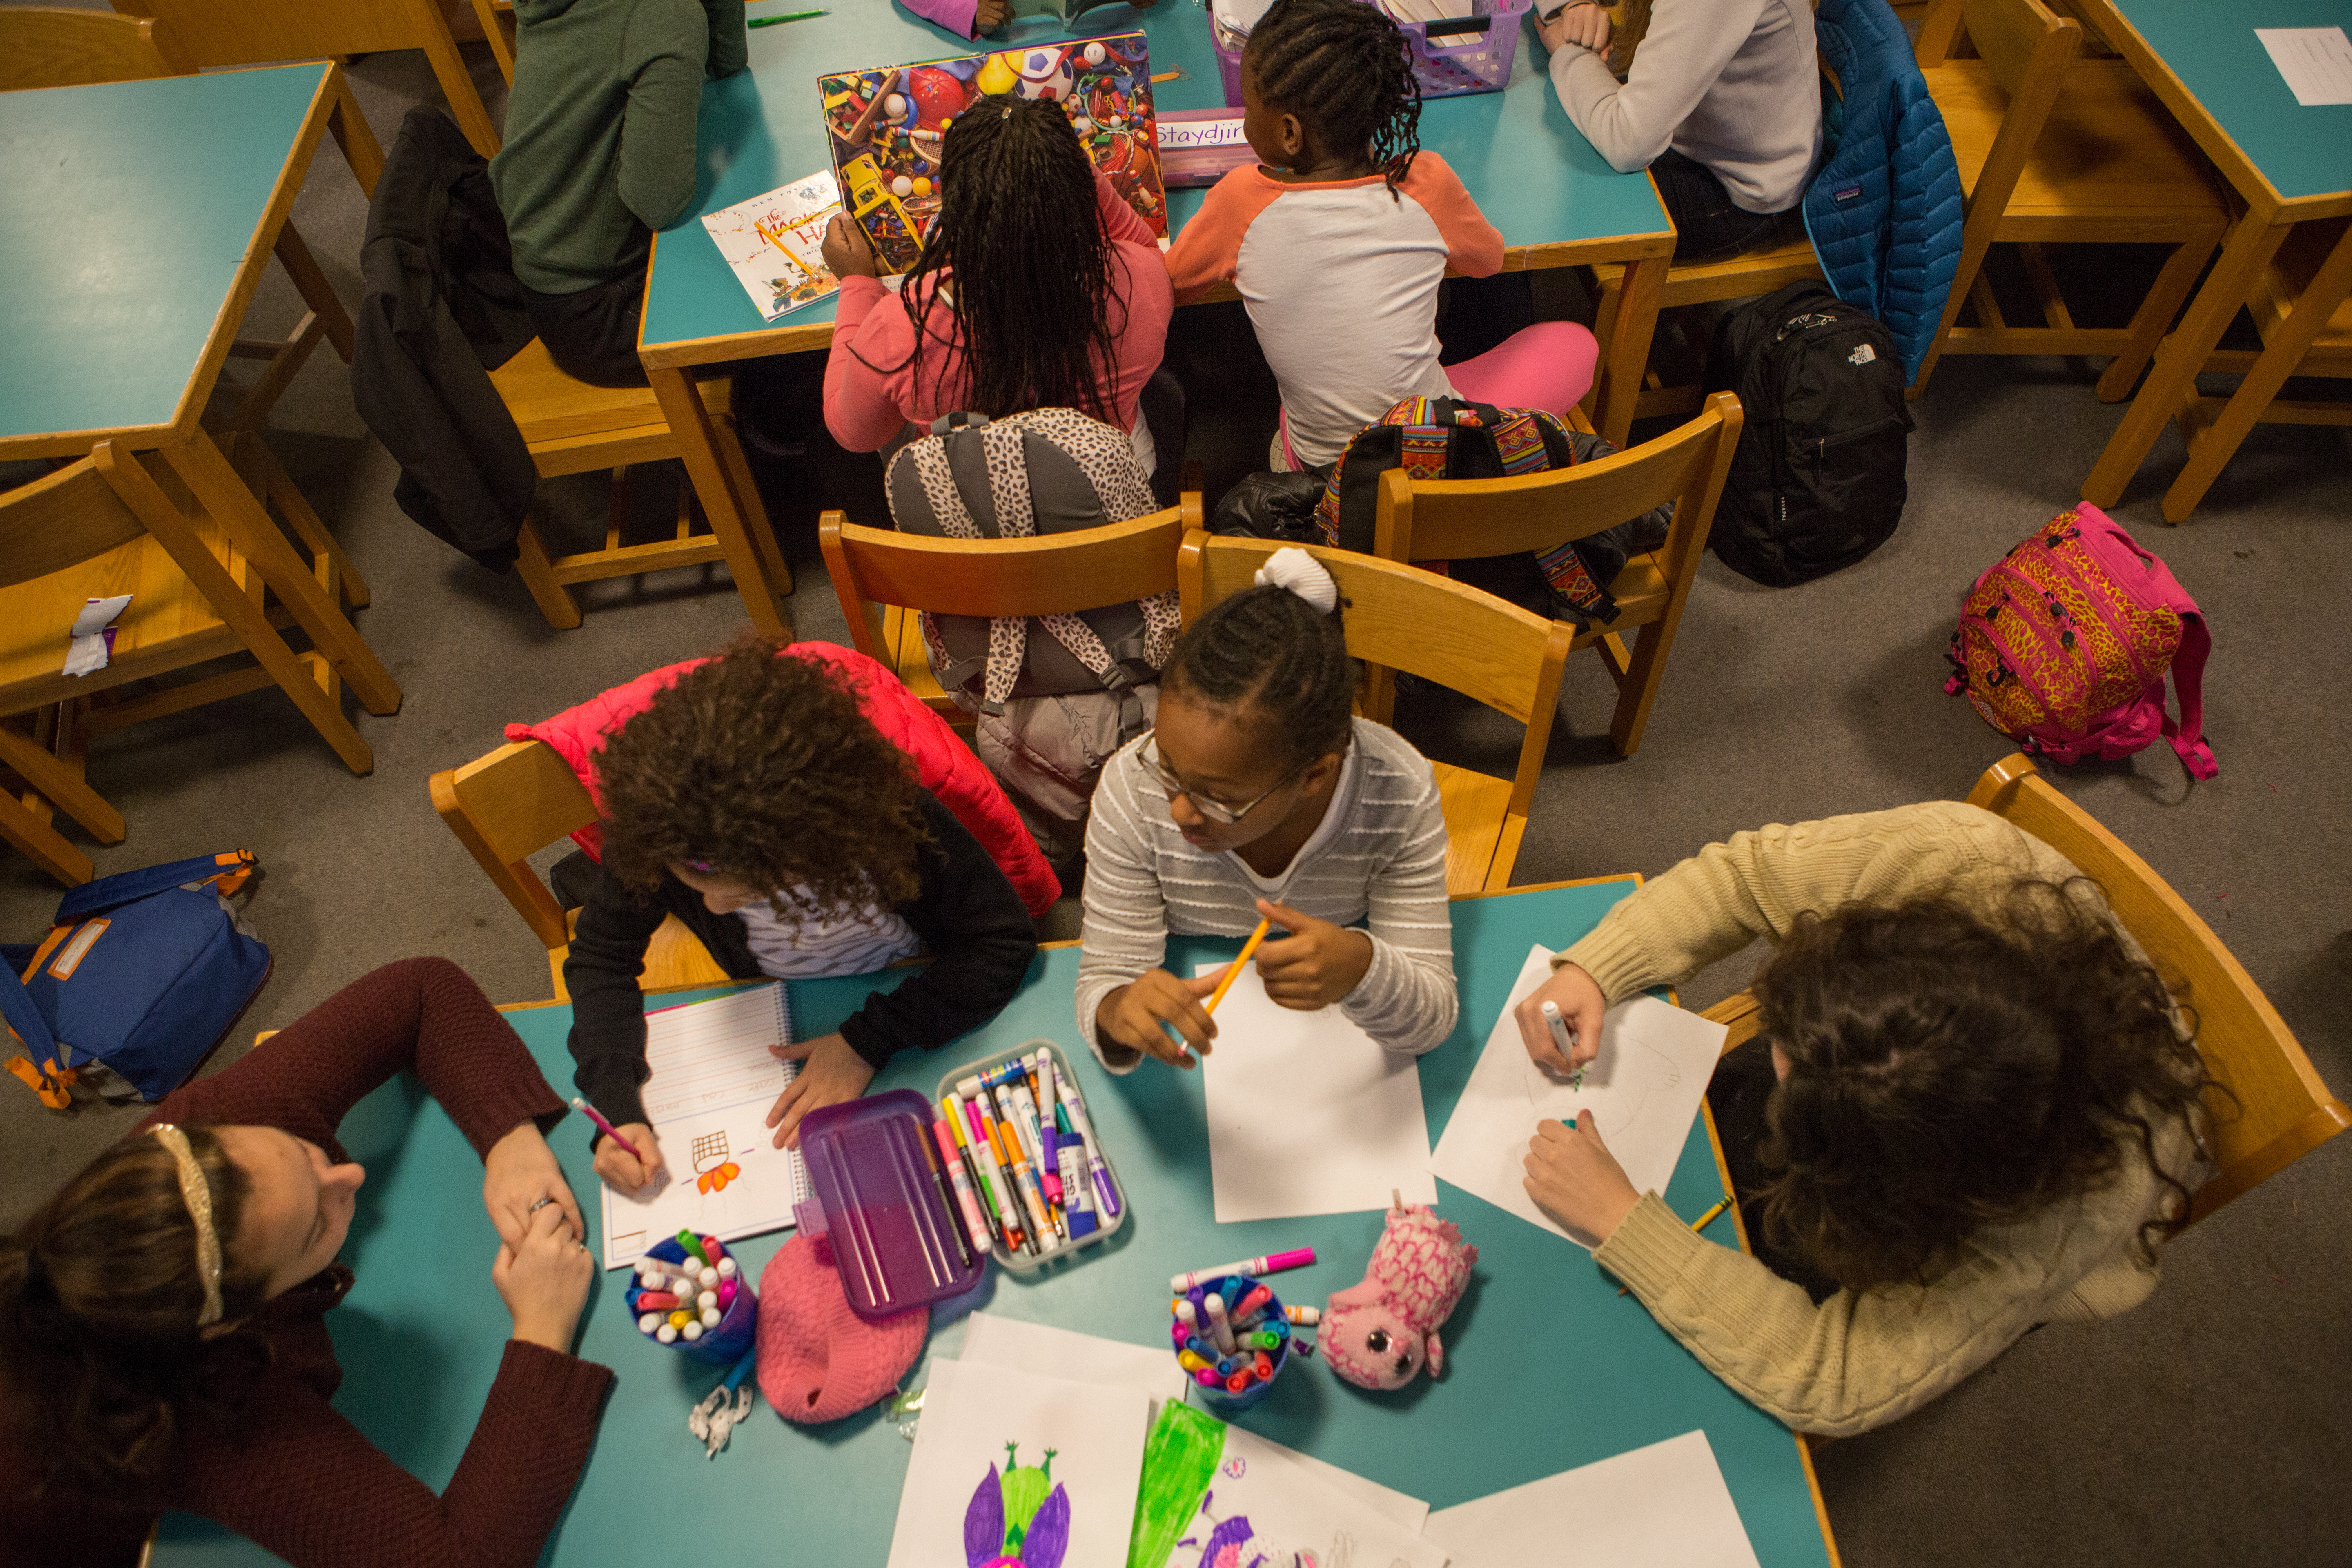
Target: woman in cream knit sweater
<point>1983,1120</point>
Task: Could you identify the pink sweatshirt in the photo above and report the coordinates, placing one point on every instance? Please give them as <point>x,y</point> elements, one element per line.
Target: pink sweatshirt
<point>866,407</point>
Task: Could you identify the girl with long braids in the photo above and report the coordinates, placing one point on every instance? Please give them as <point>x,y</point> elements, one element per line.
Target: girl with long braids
<point>163,1318</point>
<point>1339,236</point>
<point>1259,794</point>
<point>1971,1109</point>
<point>1037,288</point>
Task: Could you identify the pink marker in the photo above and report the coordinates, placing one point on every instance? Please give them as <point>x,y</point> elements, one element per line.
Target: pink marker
<point>1273,1263</point>
<point>1247,1312</point>
<point>726,1294</point>
<point>958,1177</point>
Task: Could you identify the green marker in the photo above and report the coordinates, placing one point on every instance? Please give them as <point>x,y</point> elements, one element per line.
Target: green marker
<point>792,17</point>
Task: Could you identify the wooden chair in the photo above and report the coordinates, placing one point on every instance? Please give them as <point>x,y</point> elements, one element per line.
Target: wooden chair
<point>497,20</point>
<point>884,579</point>
<point>258,32</point>
<point>1700,283</point>
<point>206,581</point>
<point>518,800</point>
<point>2054,148</point>
<point>571,427</point>
<point>2276,1110</point>
<point>1443,520</point>
<point>1401,618</point>
<point>42,45</point>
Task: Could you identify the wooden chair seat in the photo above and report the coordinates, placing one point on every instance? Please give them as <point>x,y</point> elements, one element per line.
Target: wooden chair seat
<point>2110,157</point>
<point>674,958</point>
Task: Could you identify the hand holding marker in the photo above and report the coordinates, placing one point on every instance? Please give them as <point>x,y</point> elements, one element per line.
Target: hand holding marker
<point>1564,1040</point>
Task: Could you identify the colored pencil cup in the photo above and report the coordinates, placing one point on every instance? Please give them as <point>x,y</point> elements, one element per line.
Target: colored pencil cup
<point>723,1345</point>
<point>1223,1401</point>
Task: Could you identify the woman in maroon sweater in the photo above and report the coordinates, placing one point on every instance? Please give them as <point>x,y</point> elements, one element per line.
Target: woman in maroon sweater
<point>163,1334</point>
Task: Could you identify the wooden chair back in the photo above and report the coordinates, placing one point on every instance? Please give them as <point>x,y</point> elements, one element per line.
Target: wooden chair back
<point>58,45</point>
<point>2276,1109</point>
<point>63,520</point>
<point>877,569</point>
<point>258,32</point>
<point>505,807</point>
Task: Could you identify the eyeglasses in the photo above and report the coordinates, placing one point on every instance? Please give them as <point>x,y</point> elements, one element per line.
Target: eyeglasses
<point>1216,811</point>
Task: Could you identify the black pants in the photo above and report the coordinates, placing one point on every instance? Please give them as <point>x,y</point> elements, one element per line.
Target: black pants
<point>1742,1084</point>
<point>593,334</point>
<point>1708,227</point>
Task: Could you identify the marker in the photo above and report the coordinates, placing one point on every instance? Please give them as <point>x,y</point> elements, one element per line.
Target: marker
<point>775,21</point>
<point>588,1110</point>
<point>966,1199</point>
<point>707,1300</point>
<point>1271,1263</point>
<point>657,1300</point>
<point>1008,1147</point>
<point>1008,1203</point>
<point>1188,1315</point>
<point>1303,1317</point>
<point>718,1253</point>
<point>1233,970</point>
<point>1252,1305</point>
<point>680,1318</point>
<point>1219,1330</point>
<point>693,1244</point>
<point>1191,1363</point>
<point>1207,1377</point>
<point>1237,1383</point>
<point>1264,1340</point>
<point>665,1334</point>
<point>1041,1086</point>
<point>952,1107</point>
<point>1565,1041</point>
<point>709,1317</point>
<point>727,1289</point>
<point>1262,1365</point>
<point>1014,1098</point>
<point>1106,1197</point>
<point>726,1268</point>
<point>1079,1213</point>
<point>691,1332</point>
<point>647,1322</point>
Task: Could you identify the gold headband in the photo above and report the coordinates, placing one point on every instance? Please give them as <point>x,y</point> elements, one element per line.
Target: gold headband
<point>198,1194</point>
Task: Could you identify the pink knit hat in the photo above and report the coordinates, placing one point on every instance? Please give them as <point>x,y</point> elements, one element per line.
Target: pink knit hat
<point>818,1359</point>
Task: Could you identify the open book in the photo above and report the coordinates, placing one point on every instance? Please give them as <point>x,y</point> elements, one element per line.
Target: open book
<point>712,1082</point>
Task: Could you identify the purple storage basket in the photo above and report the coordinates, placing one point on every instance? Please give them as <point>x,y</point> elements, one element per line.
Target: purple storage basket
<point>1456,56</point>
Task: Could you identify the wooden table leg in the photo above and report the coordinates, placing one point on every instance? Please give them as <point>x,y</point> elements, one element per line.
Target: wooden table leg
<point>2280,356</point>
<point>689,421</point>
<point>316,291</point>
<point>1627,352</point>
<point>362,150</point>
<point>208,474</point>
<point>2251,246</point>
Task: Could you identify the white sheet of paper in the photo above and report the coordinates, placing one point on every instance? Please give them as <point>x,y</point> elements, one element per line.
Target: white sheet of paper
<point>971,1411</point>
<point>712,1082</point>
<point>2315,61</point>
<point>1308,1114</point>
<point>1664,1505</point>
<point>88,649</point>
<point>1296,1516</point>
<point>1644,1086</point>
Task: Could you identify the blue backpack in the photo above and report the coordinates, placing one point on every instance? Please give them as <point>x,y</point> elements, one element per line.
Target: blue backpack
<point>144,972</point>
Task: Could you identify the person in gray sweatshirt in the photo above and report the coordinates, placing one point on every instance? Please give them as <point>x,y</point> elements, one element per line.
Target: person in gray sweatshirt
<point>1722,106</point>
<point>600,151</point>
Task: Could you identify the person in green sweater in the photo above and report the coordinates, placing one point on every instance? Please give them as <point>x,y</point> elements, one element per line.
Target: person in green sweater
<point>600,151</point>
<point>1971,1109</point>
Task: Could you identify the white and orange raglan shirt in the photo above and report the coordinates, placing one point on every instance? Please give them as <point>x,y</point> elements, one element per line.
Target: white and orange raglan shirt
<point>1341,279</point>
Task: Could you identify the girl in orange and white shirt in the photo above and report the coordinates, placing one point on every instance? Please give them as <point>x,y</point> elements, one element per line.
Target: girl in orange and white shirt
<point>1340,235</point>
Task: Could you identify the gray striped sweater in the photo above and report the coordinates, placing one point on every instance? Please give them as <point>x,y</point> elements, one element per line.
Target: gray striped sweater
<point>1384,865</point>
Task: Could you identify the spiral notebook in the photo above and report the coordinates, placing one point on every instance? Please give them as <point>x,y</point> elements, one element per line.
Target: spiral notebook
<point>713,1078</point>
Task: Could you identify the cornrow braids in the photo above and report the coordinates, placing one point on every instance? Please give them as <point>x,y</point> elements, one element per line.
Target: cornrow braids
<point>1032,288</point>
<point>1269,657</point>
<point>1344,67</point>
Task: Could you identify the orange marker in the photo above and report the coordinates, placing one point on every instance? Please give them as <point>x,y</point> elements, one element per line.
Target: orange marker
<point>1233,970</point>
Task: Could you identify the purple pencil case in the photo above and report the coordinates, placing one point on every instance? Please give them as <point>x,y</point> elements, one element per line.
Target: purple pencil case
<point>882,1205</point>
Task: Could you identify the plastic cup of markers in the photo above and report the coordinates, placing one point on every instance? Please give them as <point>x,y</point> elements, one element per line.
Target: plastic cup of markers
<point>737,1327</point>
<point>1220,1397</point>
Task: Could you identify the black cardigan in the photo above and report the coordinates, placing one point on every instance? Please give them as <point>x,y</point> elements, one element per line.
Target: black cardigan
<point>973,924</point>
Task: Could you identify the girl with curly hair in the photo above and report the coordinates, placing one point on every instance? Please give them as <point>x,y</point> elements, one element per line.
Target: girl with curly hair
<point>1971,1108</point>
<point>164,1317</point>
<point>755,801</point>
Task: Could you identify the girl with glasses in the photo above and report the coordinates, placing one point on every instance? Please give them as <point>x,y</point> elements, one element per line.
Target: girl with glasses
<point>1260,795</point>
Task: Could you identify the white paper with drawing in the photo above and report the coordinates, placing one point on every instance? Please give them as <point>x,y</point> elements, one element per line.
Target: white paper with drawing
<point>1664,1505</point>
<point>1011,1463</point>
<point>1308,1114</point>
<point>1285,1515</point>
<point>713,1080</point>
<point>1644,1086</point>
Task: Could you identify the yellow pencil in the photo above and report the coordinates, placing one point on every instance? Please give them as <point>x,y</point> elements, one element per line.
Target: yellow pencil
<point>1234,969</point>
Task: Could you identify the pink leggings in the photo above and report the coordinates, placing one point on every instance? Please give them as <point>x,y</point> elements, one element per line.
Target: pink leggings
<point>1548,366</point>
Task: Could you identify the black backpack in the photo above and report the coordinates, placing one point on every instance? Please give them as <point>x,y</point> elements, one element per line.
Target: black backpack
<point>1816,482</point>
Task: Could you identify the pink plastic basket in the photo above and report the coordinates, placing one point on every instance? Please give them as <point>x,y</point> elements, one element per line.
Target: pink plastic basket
<point>1459,55</point>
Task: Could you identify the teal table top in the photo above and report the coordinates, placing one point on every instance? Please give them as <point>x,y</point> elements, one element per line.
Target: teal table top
<point>133,209</point>
<point>2214,52</point>
<point>1532,172</point>
<point>1547,1366</point>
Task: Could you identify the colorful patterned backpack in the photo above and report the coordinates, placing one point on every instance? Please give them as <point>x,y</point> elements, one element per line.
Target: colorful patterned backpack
<point>1446,438</point>
<point>2063,644</point>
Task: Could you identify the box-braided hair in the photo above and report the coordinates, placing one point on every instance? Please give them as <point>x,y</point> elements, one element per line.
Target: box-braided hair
<point>1344,67</point>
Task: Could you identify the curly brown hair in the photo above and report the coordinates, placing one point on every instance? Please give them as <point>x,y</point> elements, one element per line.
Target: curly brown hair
<point>1949,1072</point>
<point>758,766</point>
<point>100,1352</point>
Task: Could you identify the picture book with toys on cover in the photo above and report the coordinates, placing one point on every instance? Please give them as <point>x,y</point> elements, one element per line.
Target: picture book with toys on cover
<point>887,125</point>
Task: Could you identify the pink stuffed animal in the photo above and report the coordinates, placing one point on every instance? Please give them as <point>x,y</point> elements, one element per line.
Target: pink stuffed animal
<point>1377,1333</point>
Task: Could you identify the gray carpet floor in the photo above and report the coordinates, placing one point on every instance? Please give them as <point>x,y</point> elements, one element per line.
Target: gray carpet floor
<point>2209,1425</point>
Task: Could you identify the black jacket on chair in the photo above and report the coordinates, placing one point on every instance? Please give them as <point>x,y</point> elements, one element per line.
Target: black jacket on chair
<point>442,311</point>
